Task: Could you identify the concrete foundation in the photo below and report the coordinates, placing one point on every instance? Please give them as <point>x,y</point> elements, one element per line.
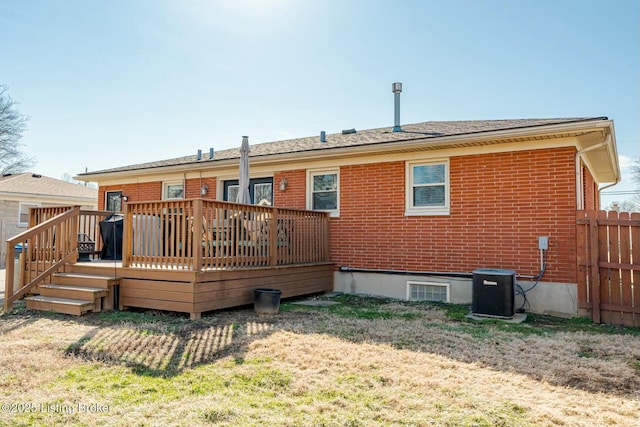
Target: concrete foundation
<point>556,299</point>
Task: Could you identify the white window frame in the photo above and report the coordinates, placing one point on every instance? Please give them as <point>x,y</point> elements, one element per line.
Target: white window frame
<point>165,188</point>
<point>446,285</point>
<point>410,209</point>
<point>21,207</point>
<point>311,173</point>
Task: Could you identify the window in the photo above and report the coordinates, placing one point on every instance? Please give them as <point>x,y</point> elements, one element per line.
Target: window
<point>324,193</point>
<point>113,201</point>
<point>428,188</point>
<point>23,213</point>
<point>260,191</point>
<point>428,291</point>
<point>173,190</point>
<point>232,192</point>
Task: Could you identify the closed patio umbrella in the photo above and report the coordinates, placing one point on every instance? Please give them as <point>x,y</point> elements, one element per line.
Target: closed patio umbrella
<point>243,181</point>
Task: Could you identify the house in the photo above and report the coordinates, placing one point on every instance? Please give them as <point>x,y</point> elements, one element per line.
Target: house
<point>415,209</point>
<point>20,192</point>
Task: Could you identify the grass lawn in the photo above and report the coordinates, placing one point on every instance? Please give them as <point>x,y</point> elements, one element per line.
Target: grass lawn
<point>363,362</point>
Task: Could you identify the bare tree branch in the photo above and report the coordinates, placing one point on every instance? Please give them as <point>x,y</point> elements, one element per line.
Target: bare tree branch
<point>12,126</point>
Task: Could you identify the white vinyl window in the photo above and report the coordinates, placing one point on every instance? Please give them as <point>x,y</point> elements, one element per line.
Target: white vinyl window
<point>23,213</point>
<point>427,291</point>
<point>427,190</point>
<point>323,191</point>
<point>172,190</point>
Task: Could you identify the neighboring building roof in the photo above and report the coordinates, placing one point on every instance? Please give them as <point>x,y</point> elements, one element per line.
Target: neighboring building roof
<point>35,185</point>
<point>429,131</point>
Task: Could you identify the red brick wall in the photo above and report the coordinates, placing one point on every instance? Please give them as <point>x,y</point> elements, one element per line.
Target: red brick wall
<point>148,191</point>
<point>294,196</point>
<point>193,186</point>
<point>500,204</point>
<point>145,191</point>
<point>589,191</point>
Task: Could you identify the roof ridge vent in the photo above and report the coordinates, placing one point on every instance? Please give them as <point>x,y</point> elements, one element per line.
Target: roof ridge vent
<point>348,131</point>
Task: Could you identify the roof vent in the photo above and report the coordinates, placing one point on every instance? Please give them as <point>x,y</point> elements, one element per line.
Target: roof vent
<point>323,136</point>
<point>396,88</point>
<point>199,155</point>
<point>348,131</point>
<point>210,153</point>
<point>36,175</point>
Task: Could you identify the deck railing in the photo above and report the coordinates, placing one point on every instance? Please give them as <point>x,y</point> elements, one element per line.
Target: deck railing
<point>43,249</point>
<point>200,234</point>
<point>191,234</point>
<point>55,237</point>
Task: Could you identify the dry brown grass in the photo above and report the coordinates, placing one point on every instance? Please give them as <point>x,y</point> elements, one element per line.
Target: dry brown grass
<point>384,364</point>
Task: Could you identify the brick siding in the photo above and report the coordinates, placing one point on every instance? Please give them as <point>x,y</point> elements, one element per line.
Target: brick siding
<point>500,204</point>
<point>294,196</point>
<point>590,191</point>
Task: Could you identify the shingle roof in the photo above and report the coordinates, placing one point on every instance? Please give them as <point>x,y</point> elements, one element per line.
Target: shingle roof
<point>33,184</point>
<point>424,130</point>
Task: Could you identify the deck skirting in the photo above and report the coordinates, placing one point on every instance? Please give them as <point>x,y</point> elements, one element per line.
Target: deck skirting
<point>199,292</point>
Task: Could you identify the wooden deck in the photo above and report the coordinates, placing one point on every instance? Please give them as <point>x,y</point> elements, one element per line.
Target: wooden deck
<point>196,292</point>
<point>189,256</point>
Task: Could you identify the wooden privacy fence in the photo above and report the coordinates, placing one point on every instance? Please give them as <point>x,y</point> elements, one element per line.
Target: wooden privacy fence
<point>206,234</point>
<point>608,255</point>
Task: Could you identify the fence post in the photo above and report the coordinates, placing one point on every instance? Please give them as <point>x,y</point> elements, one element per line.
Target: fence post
<point>594,261</point>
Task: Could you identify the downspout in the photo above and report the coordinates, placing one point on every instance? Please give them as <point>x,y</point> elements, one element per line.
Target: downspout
<point>579,178</point>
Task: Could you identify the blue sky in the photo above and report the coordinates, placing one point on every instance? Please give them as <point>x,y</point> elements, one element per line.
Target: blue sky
<point>112,83</point>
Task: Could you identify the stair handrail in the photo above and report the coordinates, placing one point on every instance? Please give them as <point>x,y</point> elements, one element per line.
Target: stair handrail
<point>66,250</point>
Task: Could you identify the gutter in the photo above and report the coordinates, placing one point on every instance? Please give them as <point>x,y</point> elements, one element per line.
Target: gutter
<point>437,142</point>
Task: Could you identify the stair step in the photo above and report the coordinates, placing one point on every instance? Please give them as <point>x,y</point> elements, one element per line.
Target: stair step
<point>59,305</point>
<point>79,279</point>
<point>72,292</point>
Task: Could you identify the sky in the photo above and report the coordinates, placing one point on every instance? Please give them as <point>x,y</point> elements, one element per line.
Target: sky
<point>120,82</point>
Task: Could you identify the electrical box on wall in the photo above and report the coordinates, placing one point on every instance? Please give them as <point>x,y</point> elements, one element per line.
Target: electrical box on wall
<point>543,243</point>
<point>494,293</point>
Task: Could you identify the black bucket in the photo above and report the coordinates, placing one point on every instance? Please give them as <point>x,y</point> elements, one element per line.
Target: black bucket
<point>266,301</point>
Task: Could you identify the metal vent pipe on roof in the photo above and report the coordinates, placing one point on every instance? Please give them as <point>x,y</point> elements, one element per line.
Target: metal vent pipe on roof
<point>199,156</point>
<point>210,153</point>
<point>323,136</point>
<point>396,88</point>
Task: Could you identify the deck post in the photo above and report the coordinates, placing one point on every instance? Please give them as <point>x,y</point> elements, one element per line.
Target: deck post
<point>273,239</point>
<point>197,235</point>
<point>8,281</point>
<point>127,235</point>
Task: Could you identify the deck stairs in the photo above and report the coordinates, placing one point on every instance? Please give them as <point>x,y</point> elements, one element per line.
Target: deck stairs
<point>75,292</point>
